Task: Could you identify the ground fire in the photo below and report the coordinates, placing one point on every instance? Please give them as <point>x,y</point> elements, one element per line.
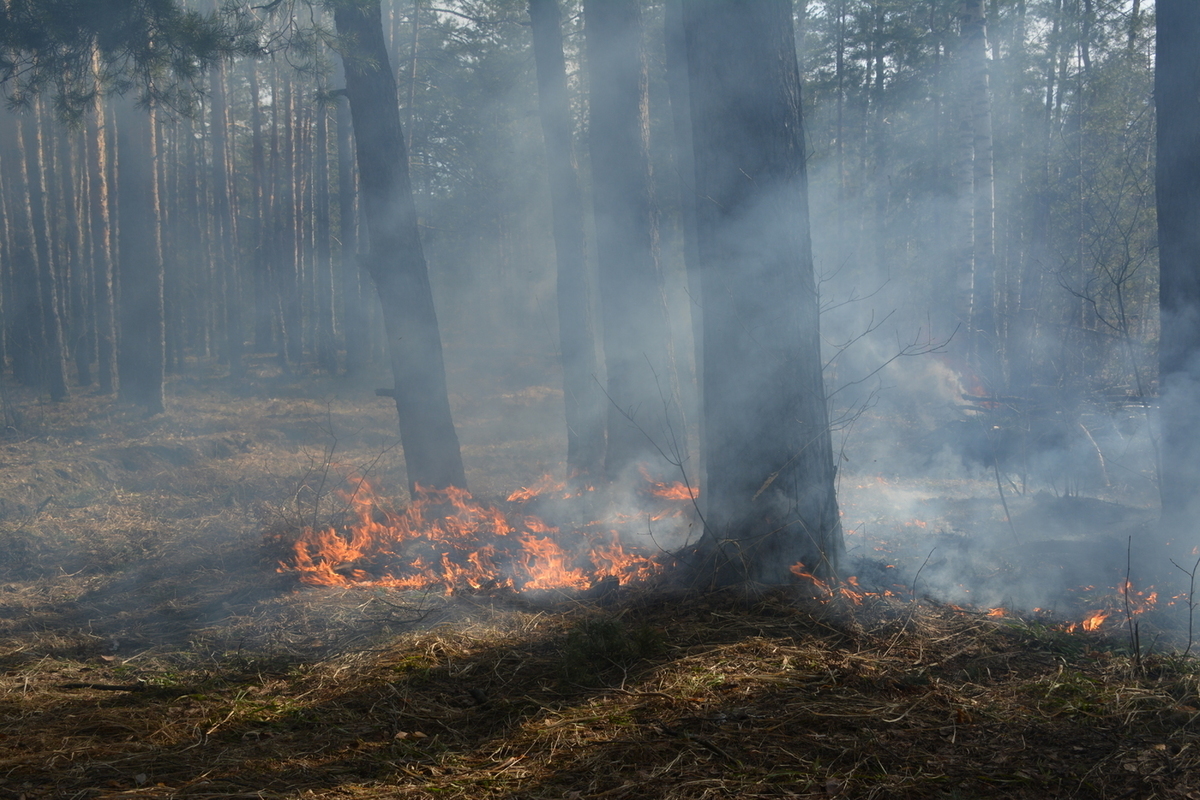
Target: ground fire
<point>447,540</point>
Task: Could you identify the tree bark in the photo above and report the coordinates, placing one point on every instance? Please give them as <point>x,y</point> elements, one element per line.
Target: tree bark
<point>643,407</point>
<point>1177,175</point>
<point>141,355</point>
<point>396,260</point>
<point>770,488</point>
<point>100,251</point>
<point>581,392</point>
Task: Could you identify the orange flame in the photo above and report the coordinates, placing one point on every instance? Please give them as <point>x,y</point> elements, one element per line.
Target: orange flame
<point>1095,620</point>
<point>447,540</point>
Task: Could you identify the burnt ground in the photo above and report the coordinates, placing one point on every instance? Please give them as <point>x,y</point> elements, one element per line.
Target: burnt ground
<point>150,648</point>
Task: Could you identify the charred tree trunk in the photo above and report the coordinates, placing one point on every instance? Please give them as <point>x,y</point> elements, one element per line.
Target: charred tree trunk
<point>770,488</point>
<point>141,355</point>
<point>396,260</point>
<point>1177,174</point>
<point>643,408</point>
<point>585,414</point>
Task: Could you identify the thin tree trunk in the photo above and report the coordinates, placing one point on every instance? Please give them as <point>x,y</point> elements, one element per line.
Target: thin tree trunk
<point>354,307</point>
<point>225,222</point>
<point>983,341</point>
<point>98,150</point>
<point>326,348</point>
<point>53,356</point>
<point>396,260</point>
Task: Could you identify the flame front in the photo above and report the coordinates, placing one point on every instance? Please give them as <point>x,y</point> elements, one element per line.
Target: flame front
<point>447,540</point>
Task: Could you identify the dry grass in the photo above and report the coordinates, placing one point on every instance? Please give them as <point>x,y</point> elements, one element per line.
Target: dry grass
<point>148,649</point>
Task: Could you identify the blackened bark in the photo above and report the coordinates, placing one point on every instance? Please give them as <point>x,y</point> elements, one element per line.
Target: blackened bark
<point>581,392</point>
<point>1177,175</point>
<point>141,354</point>
<point>770,488</point>
<point>396,260</point>
<point>643,409</point>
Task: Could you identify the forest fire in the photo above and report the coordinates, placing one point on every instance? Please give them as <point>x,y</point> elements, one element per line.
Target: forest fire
<point>448,541</point>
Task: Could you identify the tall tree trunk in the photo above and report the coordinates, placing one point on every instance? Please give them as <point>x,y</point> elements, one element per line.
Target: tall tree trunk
<point>326,348</point>
<point>141,355</point>
<point>396,261</point>
<point>771,500</point>
<point>53,356</point>
<point>1177,176</point>
<point>978,108</point>
<point>100,251</point>
<point>354,307</point>
<point>260,219</point>
<point>585,413</point>
<point>23,313</point>
<point>643,410</point>
<point>228,271</point>
<point>685,166</point>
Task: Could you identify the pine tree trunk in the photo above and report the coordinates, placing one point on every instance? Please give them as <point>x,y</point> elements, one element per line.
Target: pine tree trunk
<point>101,244</point>
<point>225,222</point>
<point>354,307</point>
<point>326,348</point>
<point>643,410</point>
<point>771,501</point>
<point>978,107</point>
<point>396,260</point>
<point>1177,176</point>
<point>581,393</point>
<point>141,355</point>
<point>53,355</point>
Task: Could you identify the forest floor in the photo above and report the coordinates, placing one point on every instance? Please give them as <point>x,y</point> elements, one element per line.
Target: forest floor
<point>150,647</point>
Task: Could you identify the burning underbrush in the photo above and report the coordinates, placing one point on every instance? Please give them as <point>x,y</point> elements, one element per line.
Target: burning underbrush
<point>446,540</point>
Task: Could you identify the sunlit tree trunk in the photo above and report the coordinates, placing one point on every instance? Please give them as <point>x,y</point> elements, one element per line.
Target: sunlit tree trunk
<point>53,356</point>
<point>643,410</point>
<point>581,391</point>
<point>396,260</point>
<point>770,488</point>
<point>100,249</point>
<point>23,312</point>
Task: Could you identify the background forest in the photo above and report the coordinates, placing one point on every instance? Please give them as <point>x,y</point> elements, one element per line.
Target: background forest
<point>1012,218</point>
